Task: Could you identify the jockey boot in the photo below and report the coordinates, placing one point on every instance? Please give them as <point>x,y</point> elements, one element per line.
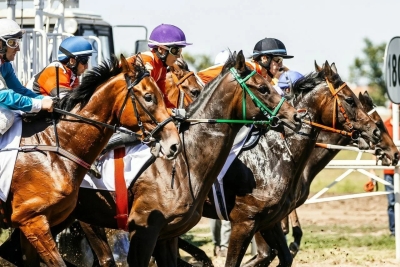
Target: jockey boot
<point>118,140</point>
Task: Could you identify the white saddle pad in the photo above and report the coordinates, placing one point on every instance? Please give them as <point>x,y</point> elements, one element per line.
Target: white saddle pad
<point>10,139</point>
<point>135,158</point>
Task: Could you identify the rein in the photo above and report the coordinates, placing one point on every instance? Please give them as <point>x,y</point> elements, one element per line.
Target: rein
<point>272,121</point>
<point>178,83</point>
<point>354,135</point>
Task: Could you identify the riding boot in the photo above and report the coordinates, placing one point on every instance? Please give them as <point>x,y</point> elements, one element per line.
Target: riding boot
<point>119,140</point>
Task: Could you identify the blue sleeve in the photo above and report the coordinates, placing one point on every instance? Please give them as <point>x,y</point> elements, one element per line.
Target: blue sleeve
<point>13,83</point>
<point>13,100</point>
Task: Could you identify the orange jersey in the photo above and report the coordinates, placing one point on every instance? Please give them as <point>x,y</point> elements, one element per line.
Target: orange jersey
<point>45,82</point>
<point>157,71</point>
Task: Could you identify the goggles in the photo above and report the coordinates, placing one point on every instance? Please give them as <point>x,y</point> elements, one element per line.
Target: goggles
<point>278,60</point>
<point>11,42</point>
<point>83,60</point>
<point>174,50</point>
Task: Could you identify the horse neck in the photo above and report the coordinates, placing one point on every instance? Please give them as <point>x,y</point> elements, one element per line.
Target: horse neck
<point>206,146</point>
<point>85,140</point>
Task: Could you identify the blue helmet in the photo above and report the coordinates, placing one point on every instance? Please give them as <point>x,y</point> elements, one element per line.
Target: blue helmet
<point>74,46</point>
<point>288,78</point>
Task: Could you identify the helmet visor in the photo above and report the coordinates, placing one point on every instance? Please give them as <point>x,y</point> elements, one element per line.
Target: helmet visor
<point>12,42</point>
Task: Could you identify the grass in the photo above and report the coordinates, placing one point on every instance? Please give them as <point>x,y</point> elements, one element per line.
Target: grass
<point>353,183</point>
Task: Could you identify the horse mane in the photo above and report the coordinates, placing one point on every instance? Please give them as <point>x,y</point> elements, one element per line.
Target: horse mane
<point>90,81</point>
<point>312,80</point>
<point>209,87</point>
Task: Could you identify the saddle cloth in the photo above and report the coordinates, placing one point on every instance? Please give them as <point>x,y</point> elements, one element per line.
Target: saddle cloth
<point>10,139</point>
<point>135,157</point>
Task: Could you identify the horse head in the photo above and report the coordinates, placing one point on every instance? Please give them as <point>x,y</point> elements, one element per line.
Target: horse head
<point>182,84</point>
<point>385,150</point>
<point>147,109</point>
<point>344,107</point>
<point>258,99</point>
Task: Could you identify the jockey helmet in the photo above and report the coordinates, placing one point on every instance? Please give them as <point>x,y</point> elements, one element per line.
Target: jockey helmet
<point>288,78</point>
<point>167,35</point>
<point>270,47</point>
<point>222,57</point>
<point>10,32</point>
<point>74,47</point>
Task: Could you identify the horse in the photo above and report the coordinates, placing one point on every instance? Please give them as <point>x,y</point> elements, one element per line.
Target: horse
<point>261,185</point>
<point>181,83</point>
<point>153,217</point>
<point>44,188</point>
<point>385,150</point>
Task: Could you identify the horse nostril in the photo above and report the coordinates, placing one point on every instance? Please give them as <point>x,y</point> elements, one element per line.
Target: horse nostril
<point>296,118</point>
<point>174,149</point>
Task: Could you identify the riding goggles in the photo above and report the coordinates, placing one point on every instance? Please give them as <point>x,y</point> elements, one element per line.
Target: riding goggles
<point>11,42</point>
<point>83,60</point>
<point>175,50</point>
<point>278,60</point>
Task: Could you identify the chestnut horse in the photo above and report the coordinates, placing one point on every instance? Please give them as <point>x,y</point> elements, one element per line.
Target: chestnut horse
<point>385,150</point>
<point>167,199</point>
<point>44,188</point>
<point>261,187</point>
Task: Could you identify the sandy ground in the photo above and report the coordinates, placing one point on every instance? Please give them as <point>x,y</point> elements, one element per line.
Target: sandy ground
<point>354,213</point>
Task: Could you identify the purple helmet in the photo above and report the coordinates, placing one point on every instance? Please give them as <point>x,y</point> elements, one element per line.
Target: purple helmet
<point>167,35</point>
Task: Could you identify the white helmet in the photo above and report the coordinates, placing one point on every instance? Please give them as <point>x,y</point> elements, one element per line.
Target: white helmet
<point>10,29</point>
<point>222,57</point>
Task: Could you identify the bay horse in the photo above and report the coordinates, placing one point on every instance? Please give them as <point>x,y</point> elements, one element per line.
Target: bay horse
<point>44,188</point>
<point>166,200</point>
<point>261,187</point>
<point>385,150</point>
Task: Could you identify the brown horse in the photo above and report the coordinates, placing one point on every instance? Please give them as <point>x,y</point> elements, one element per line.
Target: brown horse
<point>44,188</point>
<point>262,187</point>
<point>182,84</point>
<point>166,200</point>
<point>385,150</point>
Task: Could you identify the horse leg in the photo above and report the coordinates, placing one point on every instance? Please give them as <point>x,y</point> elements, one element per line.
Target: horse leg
<point>296,232</point>
<point>142,243</point>
<point>166,252</point>
<point>37,231</point>
<point>97,239</point>
<point>29,253</point>
<point>265,254</point>
<point>241,236</point>
<point>285,225</point>
<point>196,252</point>
<point>276,240</point>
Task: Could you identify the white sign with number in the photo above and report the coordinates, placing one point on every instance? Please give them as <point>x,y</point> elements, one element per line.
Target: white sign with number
<point>392,69</point>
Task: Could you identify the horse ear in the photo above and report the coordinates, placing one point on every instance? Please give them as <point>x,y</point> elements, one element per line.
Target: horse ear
<point>240,62</point>
<point>317,67</point>
<point>361,97</point>
<point>327,69</point>
<point>124,64</point>
<point>333,67</point>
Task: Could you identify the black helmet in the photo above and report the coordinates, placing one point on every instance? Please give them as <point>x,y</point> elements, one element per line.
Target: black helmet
<point>270,46</point>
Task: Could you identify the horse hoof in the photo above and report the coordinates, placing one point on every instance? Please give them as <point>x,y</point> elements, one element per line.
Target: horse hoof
<point>294,248</point>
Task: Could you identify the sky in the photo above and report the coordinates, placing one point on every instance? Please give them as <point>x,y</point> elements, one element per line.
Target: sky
<point>310,29</point>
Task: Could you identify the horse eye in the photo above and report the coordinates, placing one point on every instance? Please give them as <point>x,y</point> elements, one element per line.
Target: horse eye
<point>148,98</point>
<point>350,101</point>
<point>263,89</point>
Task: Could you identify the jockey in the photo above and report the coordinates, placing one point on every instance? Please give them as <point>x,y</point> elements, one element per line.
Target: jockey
<point>267,60</point>
<point>166,42</point>
<point>13,94</point>
<point>73,54</point>
<point>287,79</point>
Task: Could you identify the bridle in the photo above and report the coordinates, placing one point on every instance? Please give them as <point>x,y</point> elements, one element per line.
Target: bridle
<point>147,136</point>
<point>178,83</point>
<point>354,134</point>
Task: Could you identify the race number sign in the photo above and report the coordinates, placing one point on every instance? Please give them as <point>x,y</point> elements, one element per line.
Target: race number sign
<point>392,69</point>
